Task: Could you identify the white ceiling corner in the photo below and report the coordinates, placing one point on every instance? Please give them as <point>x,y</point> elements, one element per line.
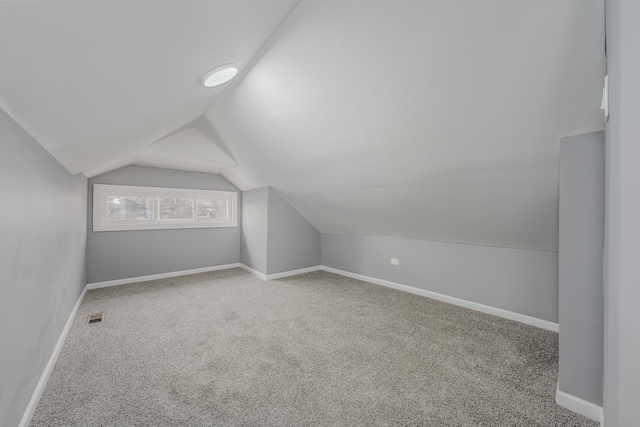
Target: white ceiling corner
<point>185,150</point>
<point>189,150</point>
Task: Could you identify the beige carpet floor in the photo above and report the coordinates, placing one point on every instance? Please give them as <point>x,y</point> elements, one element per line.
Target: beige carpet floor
<point>228,349</point>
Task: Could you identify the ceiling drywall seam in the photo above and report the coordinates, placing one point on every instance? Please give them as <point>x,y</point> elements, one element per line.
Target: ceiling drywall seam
<point>254,59</point>
<point>300,120</point>
<point>234,83</point>
<point>130,158</point>
<point>200,123</point>
<point>158,90</point>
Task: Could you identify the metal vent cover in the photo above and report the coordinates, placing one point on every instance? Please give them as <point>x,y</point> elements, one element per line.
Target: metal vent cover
<point>95,318</point>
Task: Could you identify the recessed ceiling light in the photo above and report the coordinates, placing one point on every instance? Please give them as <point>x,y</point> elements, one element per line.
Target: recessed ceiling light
<point>220,75</point>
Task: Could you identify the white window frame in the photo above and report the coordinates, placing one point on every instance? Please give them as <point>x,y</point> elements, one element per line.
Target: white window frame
<point>102,191</point>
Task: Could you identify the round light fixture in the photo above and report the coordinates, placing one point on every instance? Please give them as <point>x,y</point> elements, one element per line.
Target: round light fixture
<point>220,75</point>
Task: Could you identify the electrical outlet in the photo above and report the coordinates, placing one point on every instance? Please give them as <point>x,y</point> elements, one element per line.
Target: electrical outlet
<point>395,261</point>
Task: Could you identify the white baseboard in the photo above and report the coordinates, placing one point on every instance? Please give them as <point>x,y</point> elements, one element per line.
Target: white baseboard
<point>37,394</point>
<point>579,406</point>
<point>254,272</point>
<point>545,324</point>
<point>280,275</point>
<point>529,320</point>
<point>138,279</point>
<point>563,399</point>
<point>293,272</point>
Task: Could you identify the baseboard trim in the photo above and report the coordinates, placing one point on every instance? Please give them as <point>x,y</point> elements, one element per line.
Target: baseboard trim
<point>540,323</point>
<point>579,406</point>
<point>44,378</point>
<point>575,404</point>
<point>280,275</point>
<point>108,283</point>
<point>293,272</point>
<point>37,394</point>
<point>254,272</point>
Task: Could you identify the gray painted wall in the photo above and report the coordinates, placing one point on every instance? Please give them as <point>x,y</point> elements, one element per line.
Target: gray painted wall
<point>518,280</point>
<point>123,254</point>
<point>253,246</point>
<point>275,237</point>
<point>42,262</point>
<point>622,241</point>
<point>580,265</point>
<point>292,243</point>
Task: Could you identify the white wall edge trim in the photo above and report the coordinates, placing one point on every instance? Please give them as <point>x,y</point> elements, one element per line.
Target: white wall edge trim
<point>98,285</point>
<point>37,394</point>
<point>579,406</point>
<point>44,378</point>
<point>254,272</point>
<point>563,399</point>
<point>293,272</point>
<point>522,318</point>
<point>280,275</point>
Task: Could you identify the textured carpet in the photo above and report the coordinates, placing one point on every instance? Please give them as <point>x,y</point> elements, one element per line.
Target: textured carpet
<point>228,349</point>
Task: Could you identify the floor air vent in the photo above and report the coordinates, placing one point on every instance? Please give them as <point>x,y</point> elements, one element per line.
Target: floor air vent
<point>95,318</point>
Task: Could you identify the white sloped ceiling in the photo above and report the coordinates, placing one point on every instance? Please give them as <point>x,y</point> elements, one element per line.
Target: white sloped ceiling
<point>424,119</point>
<point>427,119</point>
<point>95,81</point>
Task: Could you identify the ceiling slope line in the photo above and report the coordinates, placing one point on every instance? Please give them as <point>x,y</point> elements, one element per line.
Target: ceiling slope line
<point>201,122</point>
<point>234,83</point>
<point>252,62</point>
<point>458,143</point>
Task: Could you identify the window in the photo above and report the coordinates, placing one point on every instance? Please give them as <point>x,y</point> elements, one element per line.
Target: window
<point>175,208</point>
<point>124,207</point>
<point>129,208</point>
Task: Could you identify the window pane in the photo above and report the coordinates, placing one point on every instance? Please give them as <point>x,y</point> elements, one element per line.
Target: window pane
<point>213,209</point>
<point>129,208</point>
<point>173,208</point>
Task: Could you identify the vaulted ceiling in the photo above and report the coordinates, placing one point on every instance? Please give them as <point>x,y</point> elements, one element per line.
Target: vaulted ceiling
<point>428,119</point>
<point>95,81</point>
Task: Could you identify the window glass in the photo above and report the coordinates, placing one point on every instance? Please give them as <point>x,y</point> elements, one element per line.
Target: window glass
<point>213,209</point>
<point>129,208</point>
<point>174,208</point>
